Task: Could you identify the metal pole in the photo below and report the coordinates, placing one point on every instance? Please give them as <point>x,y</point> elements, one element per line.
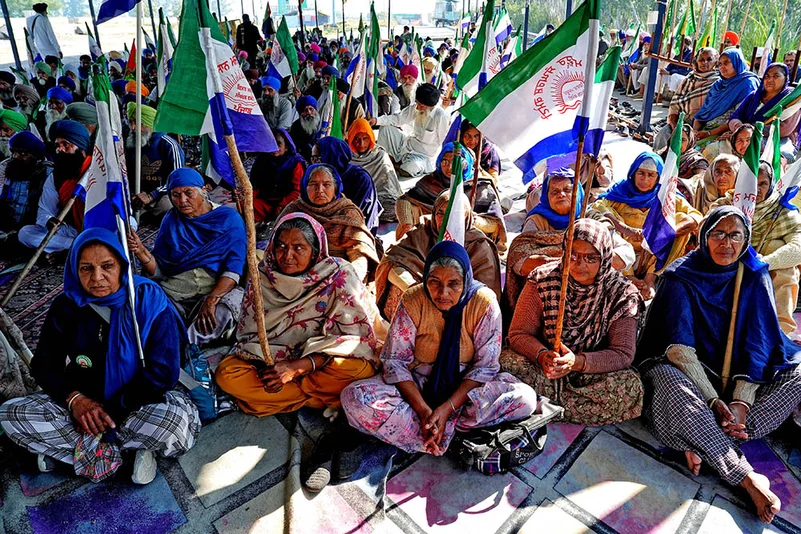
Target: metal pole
<point>152,20</point>
<point>316,22</point>
<point>138,167</point>
<point>648,98</point>
<point>94,22</point>
<point>300,17</point>
<point>569,9</point>
<point>525,27</point>
<point>219,11</point>
<point>11,35</point>
<point>389,19</point>
<point>343,21</point>
<point>242,6</point>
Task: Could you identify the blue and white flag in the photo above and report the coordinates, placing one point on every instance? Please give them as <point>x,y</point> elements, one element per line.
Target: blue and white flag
<point>165,52</point>
<point>465,22</point>
<point>659,228</point>
<point>502,27</point>
<point>114,8</point>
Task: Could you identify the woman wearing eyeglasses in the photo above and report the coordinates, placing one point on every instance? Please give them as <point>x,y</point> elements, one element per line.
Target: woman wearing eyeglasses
<point>589,374</point>
<point>699,399</point>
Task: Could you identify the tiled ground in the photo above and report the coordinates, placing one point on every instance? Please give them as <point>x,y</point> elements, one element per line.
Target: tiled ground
<point>243,476</point>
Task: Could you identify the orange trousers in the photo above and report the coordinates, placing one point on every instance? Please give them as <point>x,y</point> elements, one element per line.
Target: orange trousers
<point>319,390</point>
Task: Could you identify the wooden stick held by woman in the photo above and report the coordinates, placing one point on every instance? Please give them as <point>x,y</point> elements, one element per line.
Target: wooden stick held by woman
<point>726,373</point>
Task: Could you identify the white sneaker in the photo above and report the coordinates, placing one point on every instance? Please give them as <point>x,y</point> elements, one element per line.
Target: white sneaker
<point>45,463</point>
<point>144,470</point>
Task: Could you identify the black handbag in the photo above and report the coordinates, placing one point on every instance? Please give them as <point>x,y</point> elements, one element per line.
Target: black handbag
<point>498,448</point>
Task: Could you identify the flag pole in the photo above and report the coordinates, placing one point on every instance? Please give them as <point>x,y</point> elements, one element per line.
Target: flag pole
<point>94,22</point>
<point>745,18</point>
<point>138,165</point>
<point>475,170</point>
<point>152,20</point>
<point>781,24</point>
<point>7,16</point>
<point>588,184</point>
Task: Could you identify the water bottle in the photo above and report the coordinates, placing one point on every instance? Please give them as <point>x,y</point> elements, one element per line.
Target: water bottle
<point>202,373</point>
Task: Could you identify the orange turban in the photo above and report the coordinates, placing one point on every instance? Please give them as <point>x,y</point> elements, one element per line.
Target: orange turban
<point>360,126</point>
<point>733,37</point>
<point>130,87</point>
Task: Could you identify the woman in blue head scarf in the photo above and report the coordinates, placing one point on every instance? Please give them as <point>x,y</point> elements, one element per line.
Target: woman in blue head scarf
<point>626,205</point>
<point>198,258</point>
<point>99,395</point>
<point>440,363</point>
<point>697,400</point>
<point>321,197</point>
<point>735,83</point>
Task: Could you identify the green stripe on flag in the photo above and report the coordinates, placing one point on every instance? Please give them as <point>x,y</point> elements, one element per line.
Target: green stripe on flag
<point>456,187</point>
<point>520,71</point>
<point>183,106</point>
<point>607,71</point>
<point>675,139</point>
<point>471,67</point>
<point>287,46</point>
<point>336,115</point>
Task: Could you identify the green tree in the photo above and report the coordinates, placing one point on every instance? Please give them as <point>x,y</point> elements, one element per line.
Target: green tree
<point>17,8</point>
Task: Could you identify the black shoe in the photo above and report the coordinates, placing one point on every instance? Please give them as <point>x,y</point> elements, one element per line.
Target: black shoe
<point>346,463</point>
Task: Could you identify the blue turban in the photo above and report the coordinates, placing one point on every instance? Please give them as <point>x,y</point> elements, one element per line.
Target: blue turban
<point>72,132</point>
<point>313,57</point>
<point>304,102</point>
<point>430,50</point>
<point>66,80</point>
<point>184,177</point>
<point>119,87</point>
<point>28,142</point>
<point>59,93</point>
<point>271,81</point>
<point>328,70</point>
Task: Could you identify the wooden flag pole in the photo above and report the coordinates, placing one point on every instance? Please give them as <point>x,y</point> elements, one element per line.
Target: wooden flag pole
<point>243,183</point>
<point>728,16</point>
<point>14,335</point>
<point>588,185</point>
<point>745,18</point>
<point>781,24</point>
<point>476,169</point>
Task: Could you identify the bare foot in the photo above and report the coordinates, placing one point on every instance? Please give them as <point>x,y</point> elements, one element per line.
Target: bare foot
<point>766,502</point>
<point>693,462</point>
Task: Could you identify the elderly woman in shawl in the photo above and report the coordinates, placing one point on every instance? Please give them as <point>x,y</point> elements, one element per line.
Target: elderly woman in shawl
<point>402,265</point>
<point>774,87</point>
<point>543,237</point>
<point>489,160</point>
<point>100,396</point>
<point>776,237</point>
<point>198,258</point>
<point>692,164</point>
<point>357,185</point>
<point>626,206</point>
<point>699,397</point>
<point>419,201</point>
<point>323,328</point>
<point>589,375</point>
<point>375,160</point>
<point>276,178</point>
<point>725,95</point>
<point>440,363</point>
<point>321,197</point>
<point>731,143</point>
<point>719,179</point>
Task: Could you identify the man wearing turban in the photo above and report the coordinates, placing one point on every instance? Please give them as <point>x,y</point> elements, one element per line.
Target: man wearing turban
<point>277,109</point>
<point>7,81</point>
<point>58,99</point>
<point>71,160</point>
<point>408,85</point>
<point>43,79</point>
<point>308,127</point>
<point>415,152</point>
<point>27,100</point>
<point>161,154</point>
<point>11,122</point>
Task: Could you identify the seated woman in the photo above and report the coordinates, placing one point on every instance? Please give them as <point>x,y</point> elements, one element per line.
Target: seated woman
<point>724,96</point>
<point>692,164</point>
<point>440,363</point>
<point>730,143</point>
<point>774,87</point>
<point>375,160</point>
<point>99,395</point>
<point>719,179</point>
<point>776,236</point>
<point>402,265</point>
<point>699,399</point>
<point>276,178</point>
<point>324,330</point>
<point>626,206</point>
<point>489,160</point>
<point>589,375</point>
<point>198,258</point>
<point>603,178</point>
<point>348,238</point>
<point>543,237</point>
<point>419,201</point>
<point>357,184</point>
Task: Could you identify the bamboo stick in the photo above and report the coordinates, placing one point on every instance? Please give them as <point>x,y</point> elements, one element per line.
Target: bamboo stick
<point>700,18</point>
<point>728,16</point>
<point>727,357</point>
<point>253,263</point>
<point>745,18</point>
<point>588,186</point>
<point>14,335</point>
<point>781,24</point>
<point>475,170</point>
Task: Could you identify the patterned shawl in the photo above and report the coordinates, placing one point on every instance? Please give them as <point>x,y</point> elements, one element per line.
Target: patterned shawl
<point>324,310</point>
<point>589,310</point>
<point>691,161</point>
<point>692,91</point>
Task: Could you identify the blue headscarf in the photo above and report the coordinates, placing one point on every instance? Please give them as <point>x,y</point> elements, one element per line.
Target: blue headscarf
<point>215,241</point>
<point>693,305</point>
<point>626,192</point>
<point>304,182</point>
<point>751,110</point>
<point>467,161</point>
<point>446,373</point>
<point>122,359</point>
<point>559,222</point>
<point>727,93</point>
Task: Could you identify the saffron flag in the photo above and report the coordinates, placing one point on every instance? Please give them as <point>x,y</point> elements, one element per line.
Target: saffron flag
<point>130,66</point>
<point>530,109</point>
<point>453,224</point>
<point>114,8</point>
<point>223,105</point>
<point>94,49</point>
<point>659,228</point>
<point>745,187</point>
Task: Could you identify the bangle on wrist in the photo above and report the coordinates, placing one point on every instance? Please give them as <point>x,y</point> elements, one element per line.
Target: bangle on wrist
<point>72,399</point>
<point>711,402</point>
<point>741,403</point>
<point>314,365</point>
<point>453,408</point>
<point>147,262</point>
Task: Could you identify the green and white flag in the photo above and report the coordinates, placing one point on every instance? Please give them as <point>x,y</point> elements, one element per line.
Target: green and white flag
<point>773,153</point>
<point>483,62</point>
<point>787,106</point>
<point>453,224</point>
<point>767,50</point>
<point>165,52</point>
<point>745,187</point>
